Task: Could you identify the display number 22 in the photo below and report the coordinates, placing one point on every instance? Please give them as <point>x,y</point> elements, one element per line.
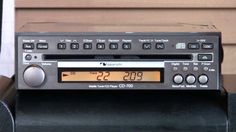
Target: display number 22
<point>103,76</point>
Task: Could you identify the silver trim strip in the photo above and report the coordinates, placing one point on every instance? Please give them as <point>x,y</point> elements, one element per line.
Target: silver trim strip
<point>110,64</point>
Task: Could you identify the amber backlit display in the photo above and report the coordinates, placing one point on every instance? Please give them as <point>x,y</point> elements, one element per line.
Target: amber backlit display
<point>110,76</point>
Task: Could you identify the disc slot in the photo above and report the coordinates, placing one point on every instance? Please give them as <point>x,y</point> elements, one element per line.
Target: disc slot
<point>112,57</point>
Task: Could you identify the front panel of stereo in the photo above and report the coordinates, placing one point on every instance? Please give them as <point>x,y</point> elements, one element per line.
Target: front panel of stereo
<point>118,61</point>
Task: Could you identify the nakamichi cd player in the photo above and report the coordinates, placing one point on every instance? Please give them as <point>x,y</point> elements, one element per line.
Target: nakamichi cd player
<point>119,60</point>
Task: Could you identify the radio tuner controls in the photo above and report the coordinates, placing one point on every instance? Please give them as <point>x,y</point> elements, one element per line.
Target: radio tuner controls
<point>178,79</point>
<point>34,76</point>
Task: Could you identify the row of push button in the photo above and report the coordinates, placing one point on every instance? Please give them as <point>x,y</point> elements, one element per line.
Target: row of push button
<point>111,46</point>
<point>39,46</point>
<point>197,46</point>
<point>190,79</point>
<point>99,46</point>
<point>148,46</point>
<point>87,46</point>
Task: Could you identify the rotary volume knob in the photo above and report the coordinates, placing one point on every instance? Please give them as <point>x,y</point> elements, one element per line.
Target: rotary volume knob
<point>34,76</point>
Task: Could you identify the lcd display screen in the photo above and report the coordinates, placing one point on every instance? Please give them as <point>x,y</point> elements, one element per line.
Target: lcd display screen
<point>110,76</point>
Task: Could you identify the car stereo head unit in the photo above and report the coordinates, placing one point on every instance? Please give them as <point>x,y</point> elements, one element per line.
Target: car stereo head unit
<point>121,60</point>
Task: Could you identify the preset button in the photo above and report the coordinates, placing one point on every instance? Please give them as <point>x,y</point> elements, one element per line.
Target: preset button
<point>74,46</point>
<point>113,46</point>
<point>87,46</point>
<point>61,46</point>
<point>100,46</point>
<point>126,46</point>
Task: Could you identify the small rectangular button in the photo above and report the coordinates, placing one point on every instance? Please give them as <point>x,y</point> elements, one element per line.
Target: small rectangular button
<point>160,46</point>
<point>42,45</point>
<point>61,46</point>
<point>28,46</point>
<point>74,46</point>
<point>207,46</point>
<point>193,46</point>
<point>126,46</point>
<point>205,57</point>
<point>147,46</point>
<point>100,46</point>
<point>87,45</point>
<point>113,46</point>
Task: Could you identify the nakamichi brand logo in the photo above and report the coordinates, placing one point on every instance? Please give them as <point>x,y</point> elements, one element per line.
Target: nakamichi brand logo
<point>110,64</point>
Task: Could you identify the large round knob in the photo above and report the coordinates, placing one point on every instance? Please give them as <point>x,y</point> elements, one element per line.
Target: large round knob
<point>34,76</point>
